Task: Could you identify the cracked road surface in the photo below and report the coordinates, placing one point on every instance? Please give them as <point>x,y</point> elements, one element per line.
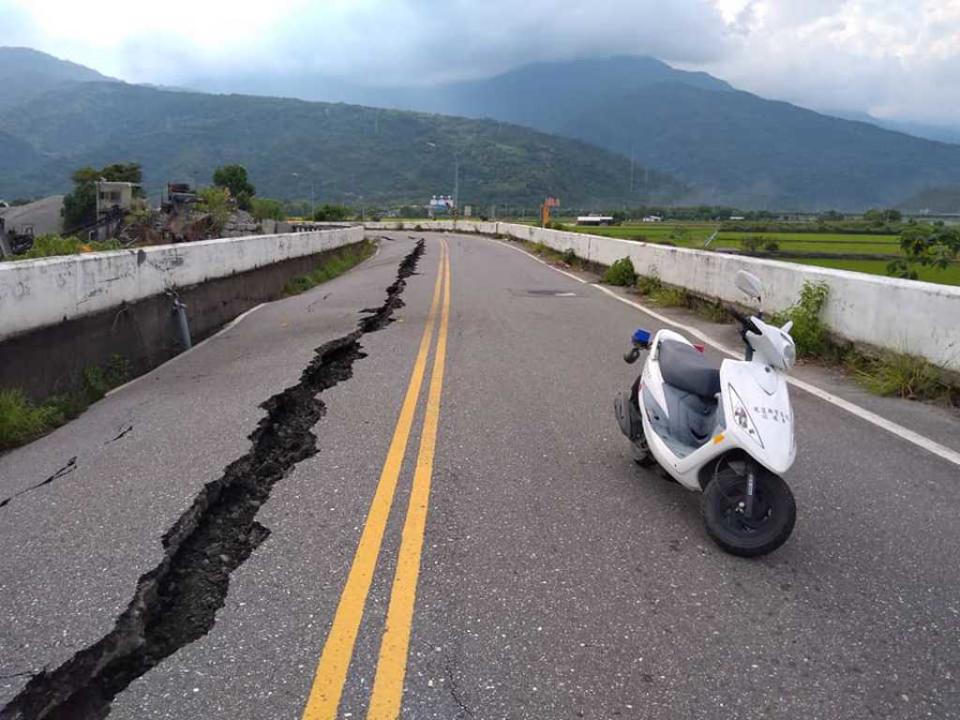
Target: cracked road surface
<point>470,538</point>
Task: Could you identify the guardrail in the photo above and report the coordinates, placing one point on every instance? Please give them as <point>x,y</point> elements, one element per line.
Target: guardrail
<point>906,316</point>
<point>39,293</point>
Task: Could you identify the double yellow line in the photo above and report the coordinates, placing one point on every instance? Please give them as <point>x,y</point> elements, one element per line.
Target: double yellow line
<point>331,674</point>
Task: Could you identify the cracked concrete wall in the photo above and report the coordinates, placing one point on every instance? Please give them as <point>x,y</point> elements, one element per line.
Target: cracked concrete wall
<point>39,293</point>
<point>51,359</point>
<point>907,316</point>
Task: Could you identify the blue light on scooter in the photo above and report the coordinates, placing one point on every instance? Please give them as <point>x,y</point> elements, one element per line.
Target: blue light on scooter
<point>641,337</point>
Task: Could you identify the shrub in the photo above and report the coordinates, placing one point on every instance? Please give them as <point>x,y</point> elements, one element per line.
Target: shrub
<point>809,332</point>
<point>54,245</point>
<point>620,273</point>
<point>752,243</point>
<point>771,245</point>
<point>569,256</point>
<point>648,284</point>
<point>266,209</point>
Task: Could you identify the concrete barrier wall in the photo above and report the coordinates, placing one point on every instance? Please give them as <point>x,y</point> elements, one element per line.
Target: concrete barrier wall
<point>906,316</point>
<point>39,293</point>
<point>477,226</point>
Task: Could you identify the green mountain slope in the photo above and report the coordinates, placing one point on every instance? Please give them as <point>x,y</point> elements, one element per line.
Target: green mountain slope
<point>26,74</point>
<point>732,146</point>
<point>754,152</point>
<point>349,153</point>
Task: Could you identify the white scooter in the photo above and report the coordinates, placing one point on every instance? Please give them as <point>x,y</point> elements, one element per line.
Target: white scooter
<point>727,432</point>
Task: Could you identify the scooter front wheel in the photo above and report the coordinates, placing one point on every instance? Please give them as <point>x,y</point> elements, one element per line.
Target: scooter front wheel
<point>757,533</point>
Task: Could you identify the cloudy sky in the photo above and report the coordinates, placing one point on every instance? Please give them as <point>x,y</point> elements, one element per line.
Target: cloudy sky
<point>896,59</point>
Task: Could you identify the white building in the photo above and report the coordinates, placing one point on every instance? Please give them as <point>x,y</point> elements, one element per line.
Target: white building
<point>595,220</point>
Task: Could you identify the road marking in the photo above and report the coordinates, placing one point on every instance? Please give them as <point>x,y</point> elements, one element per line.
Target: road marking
<point>387,693</point>
<point>881,422</point>
<point>324,699</point>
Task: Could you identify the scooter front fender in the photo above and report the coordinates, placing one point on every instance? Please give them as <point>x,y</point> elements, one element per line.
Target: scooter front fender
<point>758,413</point>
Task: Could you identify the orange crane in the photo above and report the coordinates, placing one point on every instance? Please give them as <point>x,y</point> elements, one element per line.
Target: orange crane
<point>549,202</point>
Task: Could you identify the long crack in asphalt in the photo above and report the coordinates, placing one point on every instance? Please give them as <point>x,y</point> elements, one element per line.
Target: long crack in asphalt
<point>176,603</point>
<point>65,470</point>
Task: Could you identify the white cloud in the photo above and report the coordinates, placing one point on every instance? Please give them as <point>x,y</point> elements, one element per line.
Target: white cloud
<point>894,58</point>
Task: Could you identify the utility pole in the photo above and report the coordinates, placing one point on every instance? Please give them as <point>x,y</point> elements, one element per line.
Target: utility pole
<point>456,181</point>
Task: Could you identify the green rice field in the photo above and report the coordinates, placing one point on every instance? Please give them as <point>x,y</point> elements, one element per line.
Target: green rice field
<point>694,235</point>
<point>950,276</point>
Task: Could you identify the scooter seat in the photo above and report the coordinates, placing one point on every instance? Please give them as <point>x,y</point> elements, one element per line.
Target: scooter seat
<point>686,368</point>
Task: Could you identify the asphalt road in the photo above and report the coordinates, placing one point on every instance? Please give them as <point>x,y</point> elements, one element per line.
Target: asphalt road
<point>556,579</point>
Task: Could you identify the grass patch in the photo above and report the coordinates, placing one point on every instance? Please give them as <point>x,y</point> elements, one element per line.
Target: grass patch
<point>670,297</point>
<point>567,257</point>
<point>333,266</point>
<point>54,245</point>
<point>22,420</point>
<point>712,311</point>
<point>905,376</point>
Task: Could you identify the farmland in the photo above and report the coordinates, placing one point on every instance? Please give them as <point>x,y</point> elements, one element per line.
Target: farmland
<point>808,248</point>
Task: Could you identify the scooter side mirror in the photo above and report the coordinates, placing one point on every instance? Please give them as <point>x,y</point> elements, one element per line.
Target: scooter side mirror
<point>749,284</point>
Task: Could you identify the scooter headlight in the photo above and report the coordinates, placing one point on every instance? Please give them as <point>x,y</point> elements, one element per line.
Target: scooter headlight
<point>742,418</point>
<point>789,355</point>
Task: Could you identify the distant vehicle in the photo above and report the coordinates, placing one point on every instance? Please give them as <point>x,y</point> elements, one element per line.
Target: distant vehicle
<point>595,220</point>
<point>652,218</point>
<point>727,431</point>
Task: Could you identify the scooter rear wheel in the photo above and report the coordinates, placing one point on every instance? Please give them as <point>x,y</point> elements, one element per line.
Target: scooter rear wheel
<point>774,513</point>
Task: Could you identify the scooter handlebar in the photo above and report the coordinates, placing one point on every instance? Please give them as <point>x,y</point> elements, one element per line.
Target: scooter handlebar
<point>746,322</point>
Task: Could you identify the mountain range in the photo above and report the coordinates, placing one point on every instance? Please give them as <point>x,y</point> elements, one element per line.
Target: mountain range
<point>598,132</point>
<point>297,149</point>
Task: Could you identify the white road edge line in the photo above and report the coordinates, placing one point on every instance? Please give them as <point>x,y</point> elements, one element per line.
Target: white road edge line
<point>900,431</point>
<point>233,323</point>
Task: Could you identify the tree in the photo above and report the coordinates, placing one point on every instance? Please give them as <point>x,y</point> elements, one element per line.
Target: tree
<point>264,209</point>
<point>332,213</point>
<point>215,201</point>
<point>123,172</point>
<point>80,206</point>
<point>879,217</point>
<point>927,245</point>
<point>234,179</point>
